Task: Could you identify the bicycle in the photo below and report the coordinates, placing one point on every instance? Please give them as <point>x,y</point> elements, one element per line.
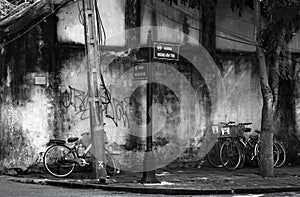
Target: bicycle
<point>213,148</point>
<point>247,146</point>
<point>60,159</point>
<point>278,152</point>
<point>249,149</point>
<point>231,154</point>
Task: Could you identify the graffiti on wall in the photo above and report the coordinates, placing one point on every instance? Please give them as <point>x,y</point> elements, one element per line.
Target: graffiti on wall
<point>117,110</point>
<point>76,99</point>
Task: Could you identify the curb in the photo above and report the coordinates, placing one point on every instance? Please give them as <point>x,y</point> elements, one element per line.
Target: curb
<point>141,189</point>
<point>132,188</point>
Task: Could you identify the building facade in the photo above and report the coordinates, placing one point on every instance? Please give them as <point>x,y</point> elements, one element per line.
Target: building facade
<point>44,82</point>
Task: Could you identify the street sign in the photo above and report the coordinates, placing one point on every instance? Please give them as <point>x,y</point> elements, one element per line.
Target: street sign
<point>140,72</point>
<point>166,51</point>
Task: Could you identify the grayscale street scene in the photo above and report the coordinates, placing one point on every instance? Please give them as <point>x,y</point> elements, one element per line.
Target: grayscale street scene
<point>149,98</point>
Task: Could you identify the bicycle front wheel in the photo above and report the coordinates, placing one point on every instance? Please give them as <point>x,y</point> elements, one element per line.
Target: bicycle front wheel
<point>213,154</point>
<point>230,155</point>
<point>58,160</point>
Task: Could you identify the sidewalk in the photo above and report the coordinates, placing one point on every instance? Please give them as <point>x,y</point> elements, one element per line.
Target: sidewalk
<point>204,180</point>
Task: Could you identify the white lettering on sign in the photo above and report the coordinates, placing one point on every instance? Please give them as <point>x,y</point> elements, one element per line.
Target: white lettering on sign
<point>140,74</point>
<point>161,54</point>
<point>166,51</point>
<point>168,48</point>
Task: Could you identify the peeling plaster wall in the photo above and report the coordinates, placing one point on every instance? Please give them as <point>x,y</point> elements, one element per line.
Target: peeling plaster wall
<point>71,30</point>
<point>25,129</point>
<point>27,118</point>
<point>177,116</point>
<point>32,114</point>
<point>239,101</point>
<point>175,17</point>
<point>240,75</point>
<point>243,101</point>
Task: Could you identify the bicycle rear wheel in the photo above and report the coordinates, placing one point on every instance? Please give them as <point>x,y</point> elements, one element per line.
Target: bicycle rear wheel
<point>230,155</point>
<point>281,154</point>
<point>275,153</point>
<point>57,160</point>
<point>213,154</point>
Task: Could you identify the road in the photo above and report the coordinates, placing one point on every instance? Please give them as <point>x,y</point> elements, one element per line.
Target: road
<point>14,189</point>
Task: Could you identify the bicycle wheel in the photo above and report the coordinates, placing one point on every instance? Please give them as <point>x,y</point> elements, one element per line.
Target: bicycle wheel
<point>230,155</point>
<point>275,153</point>
<point>213,154</point>
<point>57,160</point>
<point>251,156</point>
<point>243,156</point>
<point>281,154</point>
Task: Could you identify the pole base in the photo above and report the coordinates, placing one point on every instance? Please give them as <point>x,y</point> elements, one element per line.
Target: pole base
<point>102,181</point>
<point>149,177</point>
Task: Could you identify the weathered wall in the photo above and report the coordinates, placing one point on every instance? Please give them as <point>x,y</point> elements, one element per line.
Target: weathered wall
<point>27,109</point>
<point>31,114</point>
<point>70,27</point>
<point>175,17</point>
<point>240,75</point>
<point>242,100</point>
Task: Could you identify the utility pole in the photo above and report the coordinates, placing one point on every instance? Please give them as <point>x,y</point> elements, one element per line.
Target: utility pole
<point>149,160</point>
<point>94,94</point>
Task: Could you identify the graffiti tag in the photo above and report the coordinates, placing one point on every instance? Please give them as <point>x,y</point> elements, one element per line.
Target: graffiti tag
<point>118,110</point>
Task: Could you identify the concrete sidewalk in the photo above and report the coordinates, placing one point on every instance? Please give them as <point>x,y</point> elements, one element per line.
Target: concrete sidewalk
<point>204,180</point>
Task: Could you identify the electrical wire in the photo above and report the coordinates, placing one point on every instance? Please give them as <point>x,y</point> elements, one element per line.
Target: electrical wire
<point>221,29</point>
<point>36,24</point>
<point>242,37</point>
<point>195,28</point>
<point>106,98</point>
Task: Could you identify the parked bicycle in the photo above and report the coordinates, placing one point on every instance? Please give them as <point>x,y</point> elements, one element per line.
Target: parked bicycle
<point>213,148</point>
<point>231,149</point>
<point>231,153</point>
<point>60,159</point>
<point>278,152</point>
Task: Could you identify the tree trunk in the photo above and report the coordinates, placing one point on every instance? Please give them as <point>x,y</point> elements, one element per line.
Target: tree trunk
<point>266,167</point>
<point>270,95</point>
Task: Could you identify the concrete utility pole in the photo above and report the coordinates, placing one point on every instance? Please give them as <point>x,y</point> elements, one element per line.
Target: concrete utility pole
<point>94,94</point>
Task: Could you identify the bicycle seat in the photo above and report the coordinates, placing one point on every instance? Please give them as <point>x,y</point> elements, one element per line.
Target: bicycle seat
<point>72,139</point>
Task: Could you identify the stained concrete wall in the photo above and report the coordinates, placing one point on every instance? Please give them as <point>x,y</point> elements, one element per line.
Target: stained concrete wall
<point>70,27</point>
<point>180,119</point>
<point>27,105</point>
